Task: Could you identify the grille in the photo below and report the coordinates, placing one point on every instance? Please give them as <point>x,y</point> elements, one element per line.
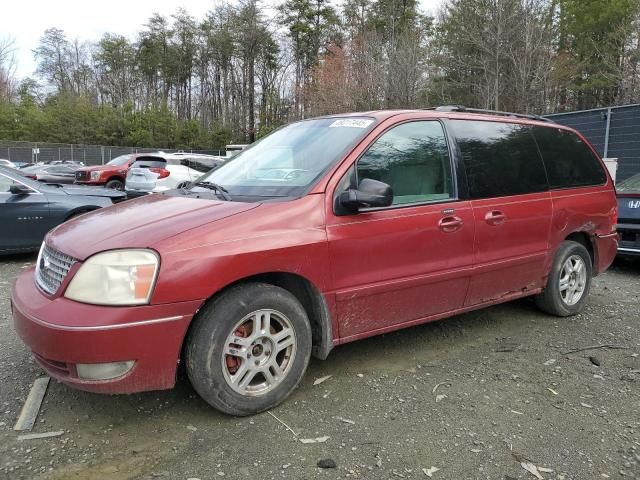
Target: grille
<point>82,175</point>
<point>52,269</point>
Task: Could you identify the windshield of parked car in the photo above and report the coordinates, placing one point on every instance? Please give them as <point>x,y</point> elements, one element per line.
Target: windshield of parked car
<point>119,161</point>
<point>630,185</point>
<point>288,161</point>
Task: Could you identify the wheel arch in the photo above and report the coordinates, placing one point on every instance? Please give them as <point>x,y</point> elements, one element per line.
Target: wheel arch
<point>308,295</point>
<point>80,210</point>
<point>115,176</point>
<point>587,241</point>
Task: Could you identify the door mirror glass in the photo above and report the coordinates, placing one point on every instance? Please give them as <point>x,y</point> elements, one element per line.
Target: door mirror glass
<point>19,189</point>
<point>369,194</point>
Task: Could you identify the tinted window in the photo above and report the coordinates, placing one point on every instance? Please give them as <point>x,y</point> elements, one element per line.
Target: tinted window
<point>150,162</point>
<point>201,164</point>
<point>413,159</point>
<point>568,160</point>
<point>500,158</point>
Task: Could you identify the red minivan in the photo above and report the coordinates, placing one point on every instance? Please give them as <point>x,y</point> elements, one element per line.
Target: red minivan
<point>326,231</point>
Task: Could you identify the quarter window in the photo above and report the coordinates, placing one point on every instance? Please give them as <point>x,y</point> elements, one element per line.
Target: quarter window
<point>568,160</point>
<point>500,159</point>
<point>5,184</point>
<point>413,158</point>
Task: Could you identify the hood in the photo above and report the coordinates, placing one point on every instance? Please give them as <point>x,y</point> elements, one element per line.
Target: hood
<point>138,223</point>
<point>80,190</point>
<point>102,168</point>
<point>92,191</point>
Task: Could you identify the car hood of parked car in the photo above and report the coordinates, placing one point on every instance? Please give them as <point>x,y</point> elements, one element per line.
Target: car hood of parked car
<point>138,223</point>
<point>93,192</point>
<point>102,168</point>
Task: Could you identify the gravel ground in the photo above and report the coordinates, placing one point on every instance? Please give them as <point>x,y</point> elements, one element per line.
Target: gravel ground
<point>478,396</point>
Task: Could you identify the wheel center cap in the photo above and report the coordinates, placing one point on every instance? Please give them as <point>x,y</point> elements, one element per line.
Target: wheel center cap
<point>257,350</point>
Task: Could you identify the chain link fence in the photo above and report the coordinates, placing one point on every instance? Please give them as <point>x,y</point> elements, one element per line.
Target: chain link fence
<point>31,152</point>
<point>613,131</point>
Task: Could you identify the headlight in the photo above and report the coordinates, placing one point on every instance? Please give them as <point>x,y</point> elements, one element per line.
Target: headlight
<point>118,277</point>
<point>95,175</point>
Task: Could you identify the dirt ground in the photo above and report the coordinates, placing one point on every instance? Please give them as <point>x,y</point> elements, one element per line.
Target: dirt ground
<point>485,395</point>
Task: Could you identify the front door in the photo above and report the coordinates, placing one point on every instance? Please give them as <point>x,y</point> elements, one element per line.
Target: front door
<point>511,204</point>
<point>403,263</point>
<point>24,217</point>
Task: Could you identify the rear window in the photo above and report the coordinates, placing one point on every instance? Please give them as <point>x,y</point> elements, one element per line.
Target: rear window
<point>202,164</point>
<point>568,160</point>
<point>500,158</point>
<point>150,162</point>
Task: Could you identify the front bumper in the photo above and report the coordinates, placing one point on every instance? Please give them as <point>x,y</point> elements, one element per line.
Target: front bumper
<point>629,239</point>
<point>95,183</point>
<point>62,333</point>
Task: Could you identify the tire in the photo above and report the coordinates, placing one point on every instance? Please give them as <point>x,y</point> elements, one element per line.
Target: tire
<point>115,184</point>
<point>560,301</point>
<point>221,379</point>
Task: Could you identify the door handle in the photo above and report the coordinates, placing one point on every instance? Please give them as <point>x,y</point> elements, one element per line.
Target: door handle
<point>450,224</point>
<point>495,217</point>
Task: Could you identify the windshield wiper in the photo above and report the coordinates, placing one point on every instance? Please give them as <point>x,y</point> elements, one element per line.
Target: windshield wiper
<point>215,187</point>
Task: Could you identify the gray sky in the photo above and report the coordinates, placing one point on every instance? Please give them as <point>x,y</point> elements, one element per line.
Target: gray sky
<point>25,20</point>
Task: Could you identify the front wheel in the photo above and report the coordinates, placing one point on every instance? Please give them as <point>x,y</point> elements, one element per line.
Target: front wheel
<point>569,281</point>
<point>115,184</point>
<point>248,349</point>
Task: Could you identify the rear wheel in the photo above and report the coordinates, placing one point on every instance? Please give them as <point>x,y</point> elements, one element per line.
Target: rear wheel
<point>116,184</point>
<point>248,349</point>
<point>569,281</point>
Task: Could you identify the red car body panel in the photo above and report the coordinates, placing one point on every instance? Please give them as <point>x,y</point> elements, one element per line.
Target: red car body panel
<point>79,333</point>
<point>107,172</point>
<point>375,272</point>
<point>140,223</point>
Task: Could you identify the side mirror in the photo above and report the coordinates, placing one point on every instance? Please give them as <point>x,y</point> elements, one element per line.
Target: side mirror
<point>369,194</point>
<point>19,189</point>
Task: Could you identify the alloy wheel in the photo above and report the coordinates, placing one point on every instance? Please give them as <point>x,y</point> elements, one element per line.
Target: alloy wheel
<point>259,352</point>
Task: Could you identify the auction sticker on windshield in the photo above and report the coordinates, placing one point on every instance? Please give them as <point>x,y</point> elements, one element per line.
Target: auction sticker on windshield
<point>352,123</point>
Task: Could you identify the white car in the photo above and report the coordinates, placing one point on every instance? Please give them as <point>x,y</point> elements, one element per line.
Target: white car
<point>7,163</point>
<point>161,172</point>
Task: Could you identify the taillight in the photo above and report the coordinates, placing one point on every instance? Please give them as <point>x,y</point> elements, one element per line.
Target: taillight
<point>32,177</point>
<point>162,172</point>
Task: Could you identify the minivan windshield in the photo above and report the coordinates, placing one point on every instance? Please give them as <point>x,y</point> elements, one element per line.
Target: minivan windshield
<point>630,185</point>
<point>288,161</point>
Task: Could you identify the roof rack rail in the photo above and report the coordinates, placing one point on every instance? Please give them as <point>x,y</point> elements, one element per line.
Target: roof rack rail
<point>462,108</point>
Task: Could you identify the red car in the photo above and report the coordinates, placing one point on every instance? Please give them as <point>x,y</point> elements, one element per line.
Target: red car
<point>111,175</point>
<point>328,230</point>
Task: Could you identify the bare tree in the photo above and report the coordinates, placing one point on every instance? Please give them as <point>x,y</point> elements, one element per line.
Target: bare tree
<point>7,68</point>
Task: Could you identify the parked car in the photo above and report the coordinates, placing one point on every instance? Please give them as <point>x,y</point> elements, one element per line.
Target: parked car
<point>51,173</point>
<point>7,163</point>
<point>47,173</point>
<point>154,173</point>
<point>111,175</point>
<point>29,209</point>
<point>326,231</point>
<point>628,192</point>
